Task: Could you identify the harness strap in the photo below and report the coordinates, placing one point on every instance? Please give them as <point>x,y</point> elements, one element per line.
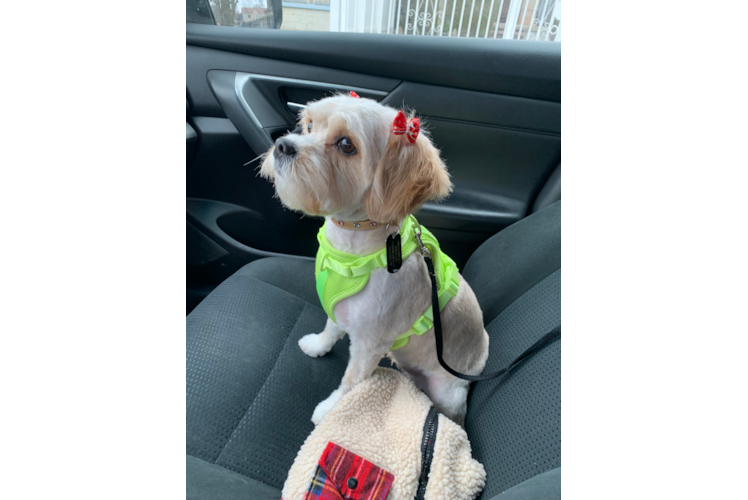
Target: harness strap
<point>360,267</point>
<point>426,321</point>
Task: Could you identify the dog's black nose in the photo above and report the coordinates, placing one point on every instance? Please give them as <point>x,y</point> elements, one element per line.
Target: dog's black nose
<point>284,147</point>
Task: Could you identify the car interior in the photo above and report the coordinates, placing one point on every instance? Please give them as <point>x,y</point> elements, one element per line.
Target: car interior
<point>493,108</point>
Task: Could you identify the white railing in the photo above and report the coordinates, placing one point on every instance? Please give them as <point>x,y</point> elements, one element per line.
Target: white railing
<point>512,19</point>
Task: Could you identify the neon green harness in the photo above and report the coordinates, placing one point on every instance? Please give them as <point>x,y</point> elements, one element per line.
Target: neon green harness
<point>341,275</point>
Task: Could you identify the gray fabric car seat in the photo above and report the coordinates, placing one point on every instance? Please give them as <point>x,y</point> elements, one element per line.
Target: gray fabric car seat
<point>514,424</point>
<point>251,391</point>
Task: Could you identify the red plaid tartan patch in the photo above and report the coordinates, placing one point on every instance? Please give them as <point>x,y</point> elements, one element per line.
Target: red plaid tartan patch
<point>342,475</point>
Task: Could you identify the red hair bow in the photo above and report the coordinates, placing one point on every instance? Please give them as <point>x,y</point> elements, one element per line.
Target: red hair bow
<point>402,126</point>
<point>353,94</point>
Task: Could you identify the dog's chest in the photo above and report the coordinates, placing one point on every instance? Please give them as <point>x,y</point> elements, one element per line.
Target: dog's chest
<point>389,303</point>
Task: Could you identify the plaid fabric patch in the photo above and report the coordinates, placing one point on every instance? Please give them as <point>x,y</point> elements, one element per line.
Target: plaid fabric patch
<point>342,475</point>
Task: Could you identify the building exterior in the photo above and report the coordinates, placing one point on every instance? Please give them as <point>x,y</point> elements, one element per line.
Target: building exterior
<point>252,14</point>
<point>308,15</point>
<point>508,19</point>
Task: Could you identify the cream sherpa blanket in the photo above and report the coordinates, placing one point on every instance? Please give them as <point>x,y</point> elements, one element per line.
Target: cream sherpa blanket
<point>381,420</point>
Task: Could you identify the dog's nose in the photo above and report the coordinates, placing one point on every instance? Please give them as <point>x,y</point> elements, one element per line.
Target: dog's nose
<point>284,147</point>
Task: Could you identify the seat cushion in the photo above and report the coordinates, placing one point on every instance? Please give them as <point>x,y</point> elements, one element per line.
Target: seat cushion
<point>545,486</point>
<point>206,480</point>
<point>514,423</point>
<point>511,262</point>
<point>250,390</point>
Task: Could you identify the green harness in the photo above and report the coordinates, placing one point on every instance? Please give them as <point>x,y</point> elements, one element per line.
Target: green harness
<point>341,275</point>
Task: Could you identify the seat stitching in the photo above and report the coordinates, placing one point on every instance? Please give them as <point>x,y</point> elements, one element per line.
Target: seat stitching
<point>519,297</point>
<point>263,384</point>
<point>283,290</point>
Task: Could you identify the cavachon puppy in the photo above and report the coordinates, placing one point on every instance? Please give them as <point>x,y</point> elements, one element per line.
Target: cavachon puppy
<point>366,168</point>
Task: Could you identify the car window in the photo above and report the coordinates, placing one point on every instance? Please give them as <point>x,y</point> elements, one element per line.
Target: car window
<point>508,19</point>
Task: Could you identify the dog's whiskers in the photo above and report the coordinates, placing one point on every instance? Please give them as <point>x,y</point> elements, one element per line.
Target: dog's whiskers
<point>252,161</point>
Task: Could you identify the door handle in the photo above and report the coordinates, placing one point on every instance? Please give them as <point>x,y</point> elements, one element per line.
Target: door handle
<point>249,101</point>
<point>224,87</point>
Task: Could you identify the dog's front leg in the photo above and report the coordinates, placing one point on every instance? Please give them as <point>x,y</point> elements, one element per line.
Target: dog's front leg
<point>319,344</point>
<point>362,364</point>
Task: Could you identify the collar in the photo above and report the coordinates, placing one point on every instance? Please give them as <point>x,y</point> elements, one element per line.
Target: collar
<point>360,225</point>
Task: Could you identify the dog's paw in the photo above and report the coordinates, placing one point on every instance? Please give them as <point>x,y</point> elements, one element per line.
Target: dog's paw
<point>311,345</point>
<point>325,406</point>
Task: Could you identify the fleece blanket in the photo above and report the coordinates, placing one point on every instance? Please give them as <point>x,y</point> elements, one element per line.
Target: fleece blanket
<point>382,420</point>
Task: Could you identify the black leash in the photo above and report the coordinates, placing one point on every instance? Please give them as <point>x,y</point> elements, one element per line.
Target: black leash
<point>547,339</point>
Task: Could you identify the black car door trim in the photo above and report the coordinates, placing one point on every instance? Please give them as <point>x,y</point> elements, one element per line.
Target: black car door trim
<point>503,127</point>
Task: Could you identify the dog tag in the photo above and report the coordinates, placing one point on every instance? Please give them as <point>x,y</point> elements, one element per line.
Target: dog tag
<point>394,253</point>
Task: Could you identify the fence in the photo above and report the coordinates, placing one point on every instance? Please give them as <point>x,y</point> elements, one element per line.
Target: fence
<point>509,19</point>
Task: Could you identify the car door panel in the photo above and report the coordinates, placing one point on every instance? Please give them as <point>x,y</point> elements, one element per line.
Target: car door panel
<point>500,139</point>
<point>509,67</point>
<point>220,184</point>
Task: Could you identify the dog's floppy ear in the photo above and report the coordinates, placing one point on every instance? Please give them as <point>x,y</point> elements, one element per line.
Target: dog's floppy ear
<point>409,174</point>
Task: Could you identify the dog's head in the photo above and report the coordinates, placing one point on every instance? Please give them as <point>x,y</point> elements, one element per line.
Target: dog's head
<point>348,162</point>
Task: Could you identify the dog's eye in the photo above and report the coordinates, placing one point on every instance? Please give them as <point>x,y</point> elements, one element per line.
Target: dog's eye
<point>346,146</point>
<point>309,127</point>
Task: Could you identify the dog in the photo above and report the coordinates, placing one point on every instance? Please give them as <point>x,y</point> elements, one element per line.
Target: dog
<point>365,167</point>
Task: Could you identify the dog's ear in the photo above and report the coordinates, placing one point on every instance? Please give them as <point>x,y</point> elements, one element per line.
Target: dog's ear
<point>409,174</point>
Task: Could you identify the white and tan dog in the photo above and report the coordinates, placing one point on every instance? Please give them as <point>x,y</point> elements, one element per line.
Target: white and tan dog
<point>348,164</point>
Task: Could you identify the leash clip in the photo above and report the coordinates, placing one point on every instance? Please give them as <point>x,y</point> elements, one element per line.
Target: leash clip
<point>417,230</point>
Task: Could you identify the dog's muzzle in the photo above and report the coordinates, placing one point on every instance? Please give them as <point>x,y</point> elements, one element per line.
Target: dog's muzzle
<point>285,149</point>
